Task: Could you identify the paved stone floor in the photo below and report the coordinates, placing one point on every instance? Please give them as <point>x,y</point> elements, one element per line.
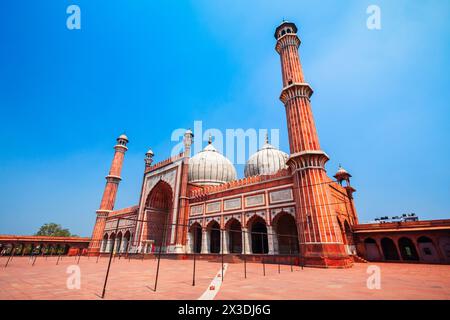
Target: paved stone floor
<point>135,280</point>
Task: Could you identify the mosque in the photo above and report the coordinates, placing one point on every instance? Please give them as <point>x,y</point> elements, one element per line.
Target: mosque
<point>285,205</point>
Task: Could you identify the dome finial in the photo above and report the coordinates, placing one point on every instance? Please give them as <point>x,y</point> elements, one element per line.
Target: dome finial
<point>210,139</point>
<point>266,138</point>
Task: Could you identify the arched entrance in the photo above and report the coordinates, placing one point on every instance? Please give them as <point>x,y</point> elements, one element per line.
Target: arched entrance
<point>104,243</point>
<point>214,237</point>
<point>234,230</point>
<point>389,249</point>
<point>286,234</point>
<point>158,207</point>
<point>195,238</point>
<point>118,245</point>
<point>258,230</point>
<point>371,249</point>
<point>427,249</point>
<point>408,249</point>
<point>126,242</point>
<point>111,242</point>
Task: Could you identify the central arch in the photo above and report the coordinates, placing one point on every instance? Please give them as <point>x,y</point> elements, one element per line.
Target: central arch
<point>158,206</point>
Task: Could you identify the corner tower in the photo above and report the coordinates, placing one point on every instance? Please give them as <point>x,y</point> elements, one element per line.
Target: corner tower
<point>109,194</point>
<point>320,241</point>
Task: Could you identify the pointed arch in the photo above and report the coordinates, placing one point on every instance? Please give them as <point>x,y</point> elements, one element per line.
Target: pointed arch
<point>389,249</point>
<point>158,206</point>
<point>408,249</point>
<point>258,233</point>
<point>371,249</point>
<point>233,228</point>
<point>195,238</point>
<point>286,232</point>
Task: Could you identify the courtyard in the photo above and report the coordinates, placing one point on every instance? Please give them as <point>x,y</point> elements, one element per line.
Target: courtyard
<point>135,279</point>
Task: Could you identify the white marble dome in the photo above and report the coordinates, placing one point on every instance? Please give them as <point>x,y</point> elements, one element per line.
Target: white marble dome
<point>209,167</point>
<point>267,160</point>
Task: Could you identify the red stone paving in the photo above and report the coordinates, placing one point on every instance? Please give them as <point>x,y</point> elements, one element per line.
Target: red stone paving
<point>134,280</point>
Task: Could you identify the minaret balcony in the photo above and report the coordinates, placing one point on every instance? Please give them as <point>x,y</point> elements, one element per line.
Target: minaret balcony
<point>296,90</point>
<point>308,159</point>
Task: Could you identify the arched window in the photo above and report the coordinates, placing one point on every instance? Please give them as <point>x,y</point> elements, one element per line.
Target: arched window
<point>371,249</point>
<point>389,249</point>
<point>407,249</point>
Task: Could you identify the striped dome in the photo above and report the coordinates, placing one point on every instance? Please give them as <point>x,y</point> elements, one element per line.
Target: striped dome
<point>209,167</point>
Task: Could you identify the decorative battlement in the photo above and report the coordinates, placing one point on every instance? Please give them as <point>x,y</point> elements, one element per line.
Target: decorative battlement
<point>164,162</point>
<point>200,193</point>
<point>309,159</point>
<point>295,90</point>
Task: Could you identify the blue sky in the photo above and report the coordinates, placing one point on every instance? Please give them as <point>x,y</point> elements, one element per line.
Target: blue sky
<point>381,101</point>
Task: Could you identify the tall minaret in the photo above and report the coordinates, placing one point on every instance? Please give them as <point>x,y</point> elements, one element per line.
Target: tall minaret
<point>109,194</point>
<point>319,236</point>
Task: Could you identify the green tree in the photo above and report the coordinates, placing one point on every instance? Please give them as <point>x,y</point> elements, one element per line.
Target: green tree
<point>54,230</point>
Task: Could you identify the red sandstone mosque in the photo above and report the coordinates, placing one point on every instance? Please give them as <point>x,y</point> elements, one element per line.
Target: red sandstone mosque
<point>285,205</point>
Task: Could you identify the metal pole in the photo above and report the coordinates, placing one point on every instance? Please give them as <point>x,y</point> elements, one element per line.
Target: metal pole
<point>79,256</point>
<point>59,254</point>
<point>13,254</point>
<point>10,257</point>
<point>262,253</point>
<point>195,253</point>
<point>159,256</point>
<point>278,259</point>
<point>109,263</point>
<point>245,260</point>
<point>221,248</point>
<point>126,250</point>
<point>290,252</point>
<point>34,260</point>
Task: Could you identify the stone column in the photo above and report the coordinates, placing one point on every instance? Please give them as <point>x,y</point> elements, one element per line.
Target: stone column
<point>189,242</point>
<point>246,241</point>
<point>205,241</point>
<point>272,239</point>
<point>124,245</point>
<point>224,242</point>
<point>109,245</point>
